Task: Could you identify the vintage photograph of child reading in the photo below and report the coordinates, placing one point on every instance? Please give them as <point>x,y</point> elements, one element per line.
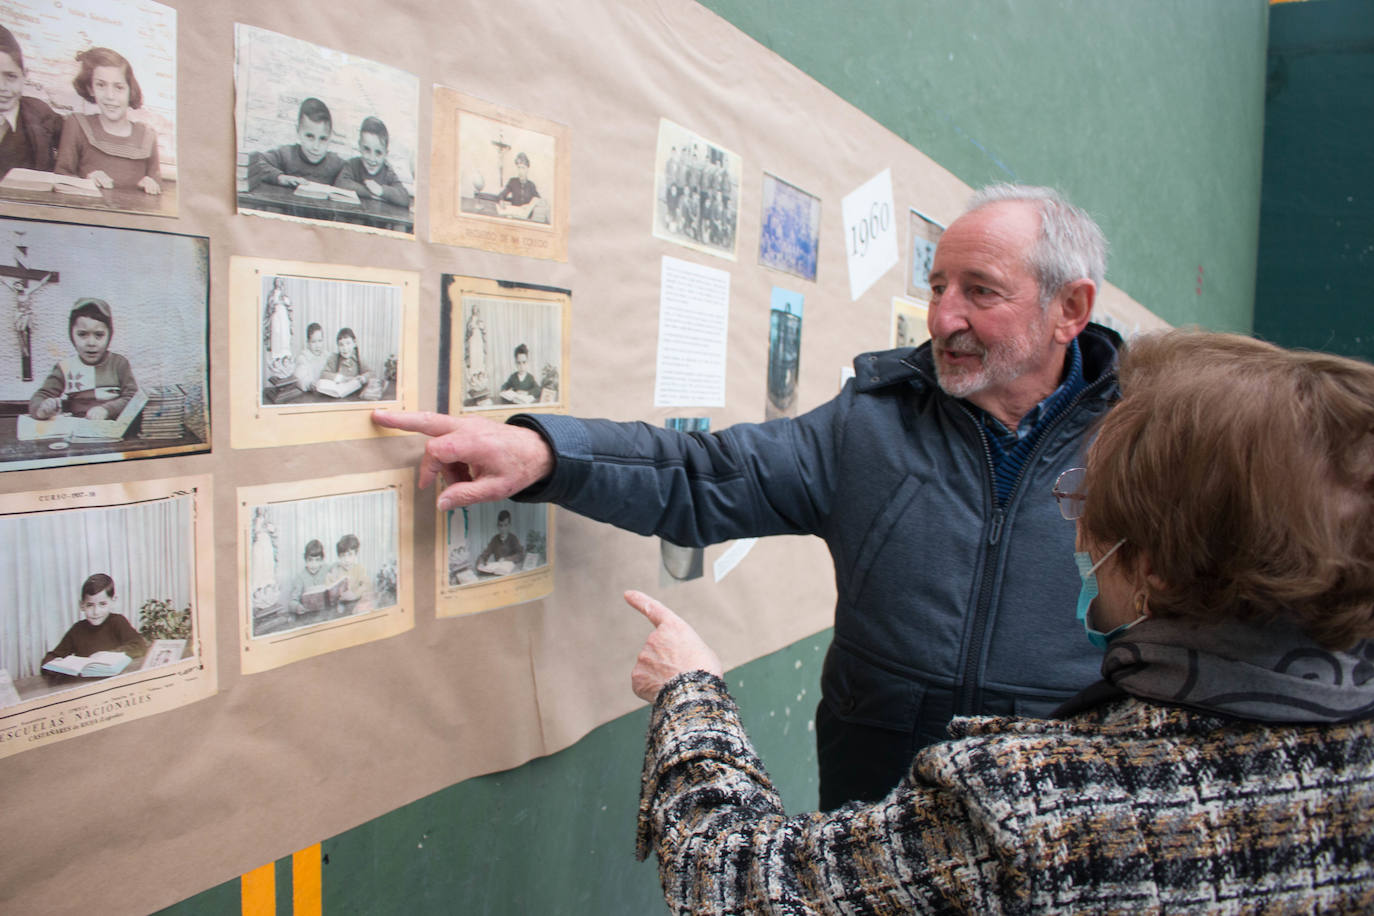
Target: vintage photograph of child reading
<point>697,188</point>
<point>315,347</point>
<point>110,611</point>
<point>105,355</point>
<point>493,555</point>
<point>88,100</point>
<point>925,233</point>
<point>505,349</point>
<point>500,178</point>
<point>789,229</point>
<point>325,565</point>
<point>324,136</point>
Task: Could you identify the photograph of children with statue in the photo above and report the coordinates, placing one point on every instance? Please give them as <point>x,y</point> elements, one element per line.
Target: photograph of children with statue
<point>325,564</point>
<point>327,342</point>
<point>507,350</point>
<point>313,561</point>
<point>106,354</point>
<point>493,555</point>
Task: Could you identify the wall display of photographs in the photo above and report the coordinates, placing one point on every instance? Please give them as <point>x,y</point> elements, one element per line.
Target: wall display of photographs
<point>83,144</point>
<point>909,322</point>
<point>325,564</point>
<point>505,347</point>
<point>784,353</point>
<point>790,228</point>
<point>678,563</point>
<point>696,191</point>
<point>493,555</point>
<point>110,614</point>
<point>324,136</point>
<point>500,178</point>
<point>925,234</point>
<point>106,356</point>
<point>315,347</point>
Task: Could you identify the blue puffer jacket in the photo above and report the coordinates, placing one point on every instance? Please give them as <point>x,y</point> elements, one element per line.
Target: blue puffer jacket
<point>947,605</point>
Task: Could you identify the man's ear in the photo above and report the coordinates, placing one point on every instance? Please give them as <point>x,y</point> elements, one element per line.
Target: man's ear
<point>1075,308</point>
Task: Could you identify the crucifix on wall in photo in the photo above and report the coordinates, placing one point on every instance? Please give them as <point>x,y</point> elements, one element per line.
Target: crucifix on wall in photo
<point>18,278</point>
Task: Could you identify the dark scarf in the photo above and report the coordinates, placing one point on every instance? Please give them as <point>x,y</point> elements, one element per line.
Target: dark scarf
<point>1266,674</point>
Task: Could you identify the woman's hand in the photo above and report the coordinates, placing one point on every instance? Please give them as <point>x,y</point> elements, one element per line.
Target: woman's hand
<point>101,179</point>
<point>673,648</point>
<point>149,186</point>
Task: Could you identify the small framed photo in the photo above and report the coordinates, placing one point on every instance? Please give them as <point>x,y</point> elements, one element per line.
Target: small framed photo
<point>909,322</point>
<point>115,151</point>
<point>324,136</point>
<point>106,628</point>
<point>505,347</point>
<point>784,353</point>
<point>493,555</point>
<point>677,563</point>
<point>925,234</point>
<point>108,352</point>
<point>325,564</point>
<point>696,192</point>
<point>500,178</point>
<point>790,228</point>
<point>315,347</point>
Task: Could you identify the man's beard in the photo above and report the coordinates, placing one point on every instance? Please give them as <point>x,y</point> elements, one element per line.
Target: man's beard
<point>1000,364</point>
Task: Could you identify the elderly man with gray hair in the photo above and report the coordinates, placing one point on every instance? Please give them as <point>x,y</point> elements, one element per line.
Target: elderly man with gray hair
<point>929,477</point>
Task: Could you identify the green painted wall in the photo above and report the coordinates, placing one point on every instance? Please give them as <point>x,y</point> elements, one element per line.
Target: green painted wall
<point>1147,114</point>
<point>1316,253</point>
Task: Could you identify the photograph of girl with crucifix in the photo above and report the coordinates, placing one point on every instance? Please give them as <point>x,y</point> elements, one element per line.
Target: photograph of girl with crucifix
<point>108,356</point>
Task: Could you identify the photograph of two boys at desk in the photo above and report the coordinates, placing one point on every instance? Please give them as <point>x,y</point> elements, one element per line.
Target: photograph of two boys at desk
<point>108,579</point>
<point>323,135</point>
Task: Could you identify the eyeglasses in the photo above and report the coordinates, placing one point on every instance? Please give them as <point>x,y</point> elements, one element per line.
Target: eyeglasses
<point>1068,491</point>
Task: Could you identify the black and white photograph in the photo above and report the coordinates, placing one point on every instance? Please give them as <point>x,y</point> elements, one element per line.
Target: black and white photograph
<point>925,233</point>
<point>107,591</point>
<point>88,96</point>
<point>493,555</point>
<point>784,353</point>
<point>502,167</point>
<point>508,346</point>
<point>500,178</point>
<point>696,191</point>
<point>678,563</point>
<point>314,348</point>
<point>490,540</point>
<point>313,561</point>
<point>789,229</point>
<point>106,352</point>
<point>325,564</point>
<point>324,136</point>
<point>328,342</point>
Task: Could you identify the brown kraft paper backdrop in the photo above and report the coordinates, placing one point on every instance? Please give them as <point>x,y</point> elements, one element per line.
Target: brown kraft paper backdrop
<point>279,760</point>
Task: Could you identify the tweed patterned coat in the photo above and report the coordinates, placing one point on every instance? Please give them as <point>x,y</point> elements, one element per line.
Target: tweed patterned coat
<point>1130,807</point>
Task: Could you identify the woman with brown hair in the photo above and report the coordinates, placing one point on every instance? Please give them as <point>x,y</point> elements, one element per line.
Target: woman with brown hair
<point>1225,763</point>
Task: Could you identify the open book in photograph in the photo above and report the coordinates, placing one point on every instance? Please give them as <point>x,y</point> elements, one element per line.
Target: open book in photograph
<point>79,428</point>
<point>99,664</point>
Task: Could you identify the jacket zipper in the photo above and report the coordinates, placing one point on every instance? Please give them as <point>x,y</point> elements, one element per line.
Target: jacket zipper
<point>968,695</point>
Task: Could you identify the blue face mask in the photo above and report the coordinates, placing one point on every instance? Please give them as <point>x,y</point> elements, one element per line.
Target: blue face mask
<point>1087,571</point>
